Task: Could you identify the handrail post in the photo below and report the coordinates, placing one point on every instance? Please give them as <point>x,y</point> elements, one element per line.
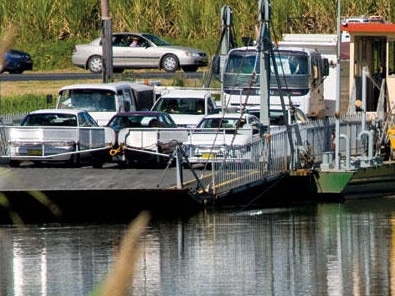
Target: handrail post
<point>180,177</point>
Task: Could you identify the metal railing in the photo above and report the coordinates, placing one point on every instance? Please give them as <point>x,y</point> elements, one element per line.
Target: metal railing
<point>274,161</point>
<point>269,158</point>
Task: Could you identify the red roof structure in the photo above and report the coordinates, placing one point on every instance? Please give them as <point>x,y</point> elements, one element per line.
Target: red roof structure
<point>375,28</point>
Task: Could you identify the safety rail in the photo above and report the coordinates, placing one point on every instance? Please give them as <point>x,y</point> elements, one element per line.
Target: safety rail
<point>268,158</point>
<point>274,159</point>
<point>319,136</point>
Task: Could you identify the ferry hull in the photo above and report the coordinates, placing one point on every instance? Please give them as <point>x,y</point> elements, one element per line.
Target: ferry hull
<point>372,182</point>
<point>332,182</point>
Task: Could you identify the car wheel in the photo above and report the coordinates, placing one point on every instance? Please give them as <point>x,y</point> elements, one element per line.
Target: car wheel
<point>190,68</point>
<point>18,71</point>
<point>170,63</point>
<point>14,163</point>
<point>99,158</point>
<point>95,64</point>
<point>75,159</point>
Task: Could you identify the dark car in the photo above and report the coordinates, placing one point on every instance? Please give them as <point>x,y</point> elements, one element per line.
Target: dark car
<point>126,147</point>
<point>16,62</point>
<point>141,119</point>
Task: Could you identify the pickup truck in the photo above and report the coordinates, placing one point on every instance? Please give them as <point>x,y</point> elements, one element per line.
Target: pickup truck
<point>231,137</point>
<point>52,135</point>
<point>101,100</point>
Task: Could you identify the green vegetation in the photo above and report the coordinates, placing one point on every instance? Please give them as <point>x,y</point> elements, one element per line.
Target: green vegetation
<point>24,103</point>
<point>49,29</point>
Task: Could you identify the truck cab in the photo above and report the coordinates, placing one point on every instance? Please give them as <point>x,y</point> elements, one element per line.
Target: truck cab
<point>101,100</point>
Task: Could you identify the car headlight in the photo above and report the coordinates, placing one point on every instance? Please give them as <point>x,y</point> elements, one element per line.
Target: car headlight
<point>192,54</point>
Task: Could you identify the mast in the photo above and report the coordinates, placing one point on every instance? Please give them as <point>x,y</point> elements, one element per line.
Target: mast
<point>264,46</point>
<point>338,93</point>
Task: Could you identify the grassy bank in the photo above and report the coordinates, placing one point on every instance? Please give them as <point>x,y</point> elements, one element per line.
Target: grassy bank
<point>25,96</point>
<point>49,29</point>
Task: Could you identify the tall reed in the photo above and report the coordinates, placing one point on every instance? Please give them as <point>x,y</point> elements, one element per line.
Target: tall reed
<point>44,25</point>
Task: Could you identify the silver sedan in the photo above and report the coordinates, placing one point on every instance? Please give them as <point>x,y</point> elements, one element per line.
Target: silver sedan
<point>139,51</point>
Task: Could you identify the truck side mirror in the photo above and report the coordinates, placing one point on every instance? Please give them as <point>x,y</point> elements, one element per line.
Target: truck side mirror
<point>49,99</point>
<point>325,65</point>
<point>215,65</point>
<point>127,106</point>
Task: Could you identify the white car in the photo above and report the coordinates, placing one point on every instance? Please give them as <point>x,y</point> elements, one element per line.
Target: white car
<point>55,135</point>
<point>219,137</point>
<point>186,106</point>
<point>151,52</point>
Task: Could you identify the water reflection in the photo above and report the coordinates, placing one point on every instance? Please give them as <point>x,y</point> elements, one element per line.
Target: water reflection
<point>324,249</point>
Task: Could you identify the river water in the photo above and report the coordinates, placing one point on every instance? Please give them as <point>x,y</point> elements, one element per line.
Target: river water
<point>310,249</point>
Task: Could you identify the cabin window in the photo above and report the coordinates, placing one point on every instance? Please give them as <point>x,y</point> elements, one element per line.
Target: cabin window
<point>391,57</point>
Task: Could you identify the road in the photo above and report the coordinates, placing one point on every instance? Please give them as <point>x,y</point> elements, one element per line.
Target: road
<point>78,76</point>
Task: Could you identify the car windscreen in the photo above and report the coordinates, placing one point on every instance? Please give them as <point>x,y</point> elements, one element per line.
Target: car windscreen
<point>50,120</point>
<point>94,100</point>
<point>221,123</point>
<point>141,120</point>
<point>191,106</point>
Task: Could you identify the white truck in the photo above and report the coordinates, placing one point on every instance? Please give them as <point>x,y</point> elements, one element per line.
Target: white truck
<point>301,73</point>
<point>101,100</point>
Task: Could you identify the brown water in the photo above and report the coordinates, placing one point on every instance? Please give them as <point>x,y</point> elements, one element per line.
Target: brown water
<point>324,249</point>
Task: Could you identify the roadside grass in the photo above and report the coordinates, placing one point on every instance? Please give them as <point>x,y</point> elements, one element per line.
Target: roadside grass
<point>25,96</point>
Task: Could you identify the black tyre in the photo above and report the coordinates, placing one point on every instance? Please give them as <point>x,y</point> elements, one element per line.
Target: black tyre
<point>95,64</point>
<point>75,159</point>
<point>170,63</point>
<point>99,158</point>
<point>16,71</point>
<point>14,163</point>
<point>190,68</point>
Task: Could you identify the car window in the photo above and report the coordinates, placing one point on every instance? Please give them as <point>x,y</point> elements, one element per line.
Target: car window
<point>210,123</point>
<point>120,40</point>
<point>86,120</point>
<point>210,107</point>
<point>156,40</point>
<point>167,121</point>
<point>128,100</point>
<point>50,120</point>
<point>192,106</point>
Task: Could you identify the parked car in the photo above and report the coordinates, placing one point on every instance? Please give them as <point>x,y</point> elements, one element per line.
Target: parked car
<point>230,136</point>
<point>141,119</point>
<point>186,106</point>
<point>16,62</point>
<point>140,137</point>
<point>55,135</point>
<point>277,116</point>
<point>151,52</point>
